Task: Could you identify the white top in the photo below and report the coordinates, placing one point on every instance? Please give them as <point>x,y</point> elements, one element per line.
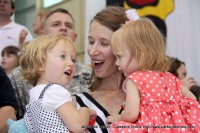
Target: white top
<point>9,35</point>
<point>53,98</point>
<point>40,116</point>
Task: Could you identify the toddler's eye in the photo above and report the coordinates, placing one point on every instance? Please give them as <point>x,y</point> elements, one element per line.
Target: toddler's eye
<point>118,56</point>
<point>62,56</point>
<point>73,60</point>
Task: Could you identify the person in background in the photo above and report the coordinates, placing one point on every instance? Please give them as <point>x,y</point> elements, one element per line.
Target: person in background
<point>39,20</point>
<point>196,91</point>
<point>105,94</point>
<point>9,30</point>
<point>37,24</point>
<point>178,69</point>
<point>8,103</point>
<point>154,97</point>
<point>58,21</point>
<point>10,58</point>
<point>52,67</point>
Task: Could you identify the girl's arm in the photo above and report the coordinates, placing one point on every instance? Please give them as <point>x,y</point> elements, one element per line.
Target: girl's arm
<point>131,111</point>
<point>74,119</point>
<point>188,93</point>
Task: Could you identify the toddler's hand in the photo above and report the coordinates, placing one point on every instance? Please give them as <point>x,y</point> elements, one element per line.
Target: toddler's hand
<point>92,117</point>
<point>112,119</point>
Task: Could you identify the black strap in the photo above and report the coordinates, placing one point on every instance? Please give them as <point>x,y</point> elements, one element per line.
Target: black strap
<point>43,91</point>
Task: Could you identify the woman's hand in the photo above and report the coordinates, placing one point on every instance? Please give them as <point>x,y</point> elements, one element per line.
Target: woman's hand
<point>188,82</point>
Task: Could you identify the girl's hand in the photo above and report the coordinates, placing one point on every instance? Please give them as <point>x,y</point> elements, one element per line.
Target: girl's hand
<point>92,112</point>
<point>112,119</point>
<point>92,118</point>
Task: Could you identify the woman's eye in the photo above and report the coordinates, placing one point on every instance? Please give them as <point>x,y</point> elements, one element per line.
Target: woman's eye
<point>91,42</point>
<point>104,44</point>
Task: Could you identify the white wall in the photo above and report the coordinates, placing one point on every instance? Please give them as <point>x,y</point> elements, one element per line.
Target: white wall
<point>183,26</point>
<point>92,7</point>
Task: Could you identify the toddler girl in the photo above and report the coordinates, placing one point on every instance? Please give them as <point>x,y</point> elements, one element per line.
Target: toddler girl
<point>155,99</point>
<point>10,59</point>
<point>48,63</point>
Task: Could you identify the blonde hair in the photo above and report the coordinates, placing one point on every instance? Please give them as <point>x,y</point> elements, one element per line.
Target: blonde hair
<point>42,13</point>
<point>35,55</point>
<point>145,42</point>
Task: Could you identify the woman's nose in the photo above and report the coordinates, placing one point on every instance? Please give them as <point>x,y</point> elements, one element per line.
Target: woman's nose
<point>93,50</point>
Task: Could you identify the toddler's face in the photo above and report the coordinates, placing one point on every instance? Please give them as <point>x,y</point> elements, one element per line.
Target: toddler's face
<point>59,67</point>
<point>123,62</point>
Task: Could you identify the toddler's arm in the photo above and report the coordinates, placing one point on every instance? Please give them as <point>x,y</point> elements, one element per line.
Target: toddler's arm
<point>74,119</point>
<point>131,111</point>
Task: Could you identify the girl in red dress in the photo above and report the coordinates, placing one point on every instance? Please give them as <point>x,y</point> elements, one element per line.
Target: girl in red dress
<point>156,101</point>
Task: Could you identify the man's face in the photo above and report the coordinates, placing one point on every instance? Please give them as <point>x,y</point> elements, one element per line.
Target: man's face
<point>5,8</point>
<point>60,23</point>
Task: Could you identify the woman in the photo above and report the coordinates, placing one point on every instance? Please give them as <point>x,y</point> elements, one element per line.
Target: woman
<point>178,69</point>
<point>39,20</point>
<point>105,94</point>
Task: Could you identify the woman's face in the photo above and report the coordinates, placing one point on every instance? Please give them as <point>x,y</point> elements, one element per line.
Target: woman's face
<point>99,50</point>
<point>36,24</point>
<point>182,72</point>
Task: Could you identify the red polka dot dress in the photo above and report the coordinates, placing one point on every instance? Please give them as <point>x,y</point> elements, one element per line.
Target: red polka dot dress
<point>163,109</point>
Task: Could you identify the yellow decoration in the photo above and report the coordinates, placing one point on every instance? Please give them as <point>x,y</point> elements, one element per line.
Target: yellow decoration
<point>161,10</point>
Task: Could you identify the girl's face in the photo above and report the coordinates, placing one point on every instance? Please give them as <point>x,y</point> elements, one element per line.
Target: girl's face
<point>99,50</point>
<point>9,62</point>
<point>59,67</point>
<point>123,56</point>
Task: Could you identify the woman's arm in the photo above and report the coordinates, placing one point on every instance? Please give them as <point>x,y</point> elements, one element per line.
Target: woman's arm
<point>188,93</point>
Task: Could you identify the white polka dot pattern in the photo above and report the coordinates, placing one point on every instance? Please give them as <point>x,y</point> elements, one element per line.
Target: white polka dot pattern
<point>162,105</point>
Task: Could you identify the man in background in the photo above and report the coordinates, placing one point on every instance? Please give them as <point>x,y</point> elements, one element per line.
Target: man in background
<point>10,32</point>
